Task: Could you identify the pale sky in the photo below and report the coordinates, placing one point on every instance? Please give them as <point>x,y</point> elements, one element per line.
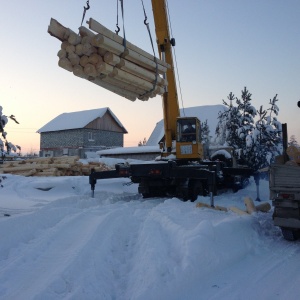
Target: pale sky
<point>221,47</point>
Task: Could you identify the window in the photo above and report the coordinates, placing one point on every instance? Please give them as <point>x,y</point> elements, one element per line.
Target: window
<point>91,136</point>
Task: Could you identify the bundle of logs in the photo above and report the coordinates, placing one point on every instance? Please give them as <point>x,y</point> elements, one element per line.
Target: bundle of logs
<point>51,166</point>
<point>105,59</point>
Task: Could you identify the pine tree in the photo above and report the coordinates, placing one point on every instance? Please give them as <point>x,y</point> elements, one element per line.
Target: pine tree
<point>142,143</point>
<point>293,142</point>
<point>3,141</point>
<point>257,143</point>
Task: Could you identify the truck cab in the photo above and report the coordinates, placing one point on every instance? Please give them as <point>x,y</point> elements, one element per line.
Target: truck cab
<point>188,139</point>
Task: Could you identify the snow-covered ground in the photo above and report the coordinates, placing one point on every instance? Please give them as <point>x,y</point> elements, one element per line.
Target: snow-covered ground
<point>59,243</point>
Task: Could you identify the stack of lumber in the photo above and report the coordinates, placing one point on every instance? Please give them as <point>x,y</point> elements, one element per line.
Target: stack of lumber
<point>104,59</point>
<point>51,166</point>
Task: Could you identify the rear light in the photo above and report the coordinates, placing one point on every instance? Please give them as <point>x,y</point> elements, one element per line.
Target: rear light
<point>155,172</point>
<point>123,172</point>
<point>286,196</point>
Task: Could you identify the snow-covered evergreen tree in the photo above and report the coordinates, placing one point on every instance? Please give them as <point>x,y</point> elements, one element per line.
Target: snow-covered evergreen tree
<point>229,122</point>
<point>4,144</point>
<point>293,142</point>
<point>257,143</point>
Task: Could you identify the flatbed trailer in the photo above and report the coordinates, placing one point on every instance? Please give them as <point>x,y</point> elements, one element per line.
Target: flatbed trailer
<point>173,178</point>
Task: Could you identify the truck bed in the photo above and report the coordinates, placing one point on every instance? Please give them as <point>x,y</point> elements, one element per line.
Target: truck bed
<point>284,178</point>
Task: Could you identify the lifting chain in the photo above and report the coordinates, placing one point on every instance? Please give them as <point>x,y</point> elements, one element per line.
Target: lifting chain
<point>155,60</point>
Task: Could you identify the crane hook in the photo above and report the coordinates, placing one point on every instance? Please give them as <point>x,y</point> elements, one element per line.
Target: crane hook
<point>85,9</point>
<point>118,29</point>
<point>87,5</point>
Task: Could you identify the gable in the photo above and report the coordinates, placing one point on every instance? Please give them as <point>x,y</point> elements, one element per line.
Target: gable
<point>81,119</point>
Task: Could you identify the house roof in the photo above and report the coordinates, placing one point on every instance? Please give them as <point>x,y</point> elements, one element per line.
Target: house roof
<point>78,119</point>
<point>205,112</point>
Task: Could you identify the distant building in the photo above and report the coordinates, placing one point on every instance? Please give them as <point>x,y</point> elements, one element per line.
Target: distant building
<point>75,133</point>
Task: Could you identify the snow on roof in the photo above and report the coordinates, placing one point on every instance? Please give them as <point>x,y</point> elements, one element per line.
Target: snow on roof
<point>131,150</point>
<point>78,119</point>
<point>205,112</point>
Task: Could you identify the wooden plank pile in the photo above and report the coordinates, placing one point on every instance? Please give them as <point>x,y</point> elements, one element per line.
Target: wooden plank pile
<point>51,166</point>
<point>104,59</point>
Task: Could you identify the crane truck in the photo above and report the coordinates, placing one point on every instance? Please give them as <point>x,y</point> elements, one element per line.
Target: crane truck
<point>182,170</point>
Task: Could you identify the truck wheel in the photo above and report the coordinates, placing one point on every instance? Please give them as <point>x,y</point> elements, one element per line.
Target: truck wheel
<point>195,189</point>
<point>290,234</point>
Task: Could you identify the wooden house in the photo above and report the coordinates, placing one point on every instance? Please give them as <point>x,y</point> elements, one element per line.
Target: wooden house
<point>76,133</point>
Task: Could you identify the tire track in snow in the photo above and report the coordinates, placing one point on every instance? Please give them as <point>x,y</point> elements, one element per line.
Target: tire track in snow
<point>82,243</point>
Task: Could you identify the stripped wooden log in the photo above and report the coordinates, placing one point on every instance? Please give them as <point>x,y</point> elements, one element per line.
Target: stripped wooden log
<point>134,80</point>
<point>111,58</point>
<point>88,49</point>
<point>99,28</point>
<point>90,70</point>
<point>62,53</point>
<point>73,58</point>
<point>80,55</point>
<point>64,45</point>
<point>79,49</point>
<point>140,72</point>
<point>65,64</point>
<point>250,207</point>
<point>95,59</point>
<point>57,30</point>
<point>84,60</point>
<point>124,85</point>
<point>100,40</point>
<point>238,211</point>
<point>70,48</point>
<point>121,92</point>
<point>263,207</point>
<point>74,38</point>
<point>104,68</point>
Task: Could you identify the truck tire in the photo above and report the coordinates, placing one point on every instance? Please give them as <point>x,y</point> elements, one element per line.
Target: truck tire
<point>195,189</point>
<point>290,234</point>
